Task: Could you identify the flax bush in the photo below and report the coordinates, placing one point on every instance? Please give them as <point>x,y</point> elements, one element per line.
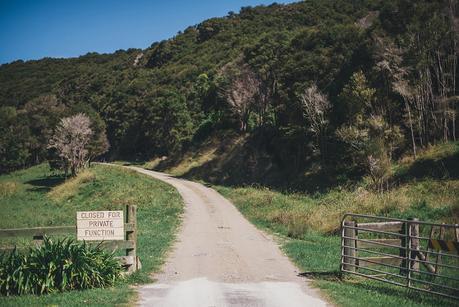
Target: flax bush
<point>59,265</point>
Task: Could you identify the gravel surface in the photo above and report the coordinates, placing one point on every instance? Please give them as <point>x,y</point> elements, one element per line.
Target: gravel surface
<point>221,259</point>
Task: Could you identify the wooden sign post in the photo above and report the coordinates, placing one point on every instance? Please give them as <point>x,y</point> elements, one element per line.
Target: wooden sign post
<point>100,225</point>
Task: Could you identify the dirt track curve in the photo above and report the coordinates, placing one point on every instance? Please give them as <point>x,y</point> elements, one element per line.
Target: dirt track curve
<point>220,259</point>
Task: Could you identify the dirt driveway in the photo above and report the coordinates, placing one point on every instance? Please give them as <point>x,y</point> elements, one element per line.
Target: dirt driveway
<point>220,259</point>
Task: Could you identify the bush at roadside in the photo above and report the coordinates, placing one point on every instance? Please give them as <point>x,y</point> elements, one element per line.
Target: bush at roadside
<point>54,266</point>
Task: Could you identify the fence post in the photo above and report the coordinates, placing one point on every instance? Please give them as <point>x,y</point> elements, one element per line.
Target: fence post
<point>438,256</point>
<point>414,244</point>
<point>349,246</point>
<point>38,240</point>
<point>456,232</point>
<point>410,251</point>
<point>404,243</point>
<point>131,217</point>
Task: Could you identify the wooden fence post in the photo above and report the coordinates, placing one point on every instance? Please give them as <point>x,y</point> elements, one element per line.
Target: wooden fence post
<point>349,247</point>
<point>131,235</point>
<point>414,244</point>
<point>438,256</point>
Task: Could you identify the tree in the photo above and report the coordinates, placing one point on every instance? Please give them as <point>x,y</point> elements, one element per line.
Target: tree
<point>166,123</point>
<point>389,64</point>
<point>71,139</point>
<point>43,114</point>
<point>315,106</point>
<point>367,135</point>
<point>99,142</point>
<point>242,93</point>
<point>14,133</point>
<point>267,58</point>
<point>357,97</point>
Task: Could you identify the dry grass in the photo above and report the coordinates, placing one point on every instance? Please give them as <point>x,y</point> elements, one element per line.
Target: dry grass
<point>434,152</point>
<point>8,188</point>
<point>294,214</point>
<point>191,161</point>
<point>152,164</point>
<point>71,186</point>
<point>204,159</point>
<point>327,215</point>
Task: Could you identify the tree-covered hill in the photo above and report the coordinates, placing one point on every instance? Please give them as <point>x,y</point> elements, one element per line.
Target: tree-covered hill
<point>339,86</point>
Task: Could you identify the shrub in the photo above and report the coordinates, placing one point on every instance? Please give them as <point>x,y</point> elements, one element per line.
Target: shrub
<point>60,265</point>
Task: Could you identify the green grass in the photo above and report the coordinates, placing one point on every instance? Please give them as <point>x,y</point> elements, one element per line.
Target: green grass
<point>295,214</point>
<point>308,226</point>
<point>427,188</point>
<point>34,197</point>
<point>318,254</point>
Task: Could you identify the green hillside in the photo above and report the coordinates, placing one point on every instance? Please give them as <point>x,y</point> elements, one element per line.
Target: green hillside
<point>297,113</point>
<point>383,71</point>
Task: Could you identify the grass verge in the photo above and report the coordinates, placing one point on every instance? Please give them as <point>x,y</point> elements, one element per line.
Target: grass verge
<point>307,228</point>
<point>35,197</point>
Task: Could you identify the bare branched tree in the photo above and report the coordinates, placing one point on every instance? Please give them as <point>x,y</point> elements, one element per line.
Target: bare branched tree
<point>242,94</point>
<point>428,87</point>
<point>389,63</point>
<point>71,139</point>
<point>315,107</point>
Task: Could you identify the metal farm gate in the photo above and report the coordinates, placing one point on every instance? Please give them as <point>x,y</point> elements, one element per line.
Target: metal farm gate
<point>409,253</point>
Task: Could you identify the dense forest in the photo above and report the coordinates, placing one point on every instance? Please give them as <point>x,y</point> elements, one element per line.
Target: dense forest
<point>343,87</point>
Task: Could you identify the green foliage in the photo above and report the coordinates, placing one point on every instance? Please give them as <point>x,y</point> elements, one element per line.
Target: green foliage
<point>59,265</point>
<point>357,97</point>
<point>43,114</point>
<point>369,140</point>
<point>359,53</point>
<point>162,128</point>
<point>14,134</point>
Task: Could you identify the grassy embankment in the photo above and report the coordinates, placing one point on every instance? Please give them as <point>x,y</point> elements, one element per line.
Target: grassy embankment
<point>35,197</point>
<point>308,224</point>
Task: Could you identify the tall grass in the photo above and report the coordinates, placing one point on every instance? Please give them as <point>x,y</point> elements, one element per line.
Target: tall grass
<point>8,188</point>
<point>295,214</point>
<point>71,186</point>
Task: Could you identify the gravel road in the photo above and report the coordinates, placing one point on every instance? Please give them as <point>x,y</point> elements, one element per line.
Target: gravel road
<point>220,259</point>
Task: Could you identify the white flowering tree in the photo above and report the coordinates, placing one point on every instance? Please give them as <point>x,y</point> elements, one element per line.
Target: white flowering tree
<point>71,140</point>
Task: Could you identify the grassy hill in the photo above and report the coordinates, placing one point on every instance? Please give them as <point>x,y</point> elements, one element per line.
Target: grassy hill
<point>37,197</point>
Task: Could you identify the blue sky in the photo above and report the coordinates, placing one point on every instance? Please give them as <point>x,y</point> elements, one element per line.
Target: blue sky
<point>33,29</point>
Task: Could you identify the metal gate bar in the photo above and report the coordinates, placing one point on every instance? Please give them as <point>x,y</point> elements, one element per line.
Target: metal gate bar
<point>422,263</point>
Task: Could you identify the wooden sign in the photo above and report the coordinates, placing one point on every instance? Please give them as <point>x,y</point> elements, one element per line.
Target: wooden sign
<point>100,225</point>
